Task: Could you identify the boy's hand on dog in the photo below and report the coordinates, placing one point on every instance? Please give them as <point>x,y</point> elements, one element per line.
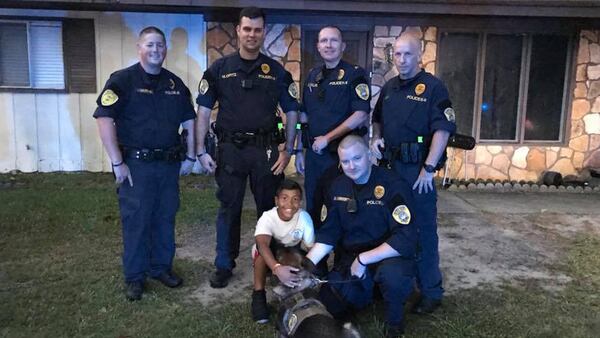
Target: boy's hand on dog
<point>287,275</point>
<point>357,269</point>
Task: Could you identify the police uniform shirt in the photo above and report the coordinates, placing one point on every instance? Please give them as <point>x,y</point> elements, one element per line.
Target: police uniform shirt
<point>383,214</point>
<point>414,107</point>
<point>289,233</point>
<point>330,96</point>
<point>147,110</point>
<point>248,93</point>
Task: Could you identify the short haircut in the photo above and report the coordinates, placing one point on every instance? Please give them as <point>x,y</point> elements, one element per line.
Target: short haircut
<point>288,184</point>
<point>152,29</point>
<point>331,26</point>
<point>351,140</point>
<point>252,13</point>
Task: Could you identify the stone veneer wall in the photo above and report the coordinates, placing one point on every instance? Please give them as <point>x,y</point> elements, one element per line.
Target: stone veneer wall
<point>516,162</point>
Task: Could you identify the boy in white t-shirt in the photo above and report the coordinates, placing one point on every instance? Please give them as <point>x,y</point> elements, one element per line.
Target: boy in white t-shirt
<point>287,227</point>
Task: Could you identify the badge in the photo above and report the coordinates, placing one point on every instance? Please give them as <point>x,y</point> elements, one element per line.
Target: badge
<point>379,192</point>
<point>323,213</point>
<point>450,116</point>
<point>293,90</point>
<point>401,214</point>
<point>265,68</point>
<point>419,89</point>
<point>203,87</point>
<point>108,98</point>
<point>362,90</point>
<point>171,84</point>
<point>341,74</point>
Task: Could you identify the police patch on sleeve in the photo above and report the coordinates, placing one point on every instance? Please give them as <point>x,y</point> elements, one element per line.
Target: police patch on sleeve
<point>323,213</point>
<point>362,90</point>
<point>109,98</point>
<point>293,90</point>
<point>203,87</point>
<point>450,115</point>
<point>401,214</point>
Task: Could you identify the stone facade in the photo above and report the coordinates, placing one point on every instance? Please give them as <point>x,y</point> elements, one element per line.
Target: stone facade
<point>515,162</point>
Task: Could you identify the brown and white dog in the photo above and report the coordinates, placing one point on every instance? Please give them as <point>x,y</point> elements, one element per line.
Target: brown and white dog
<point>301,314</point>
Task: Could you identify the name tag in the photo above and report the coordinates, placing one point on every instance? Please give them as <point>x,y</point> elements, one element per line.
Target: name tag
<point>266,77</point>
<point>144,91</point>
<point>341,198</point>
<point>226,76</point>
<point>172,92</point>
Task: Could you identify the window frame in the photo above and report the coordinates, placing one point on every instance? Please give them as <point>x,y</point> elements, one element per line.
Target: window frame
<point>526,50</point>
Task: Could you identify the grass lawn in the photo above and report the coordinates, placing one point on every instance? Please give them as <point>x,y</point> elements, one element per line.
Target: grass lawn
<point>60,276</point>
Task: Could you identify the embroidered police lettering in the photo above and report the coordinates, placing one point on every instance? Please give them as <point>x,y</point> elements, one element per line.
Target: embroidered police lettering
<point>416,98</point>
<point>226,76</point>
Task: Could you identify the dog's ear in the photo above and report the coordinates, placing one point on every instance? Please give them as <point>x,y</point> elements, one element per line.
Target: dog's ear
<point>349,331</point>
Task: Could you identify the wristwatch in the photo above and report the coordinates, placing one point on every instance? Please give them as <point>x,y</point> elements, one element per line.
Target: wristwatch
<point>429,168</point>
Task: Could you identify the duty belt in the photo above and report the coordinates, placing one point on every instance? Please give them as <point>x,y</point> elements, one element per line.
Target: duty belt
<point>172,154</point>
<point>246,138</point>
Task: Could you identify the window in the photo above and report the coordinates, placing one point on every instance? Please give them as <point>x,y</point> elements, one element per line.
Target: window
<point>47,55</point>
<point>507,87</point>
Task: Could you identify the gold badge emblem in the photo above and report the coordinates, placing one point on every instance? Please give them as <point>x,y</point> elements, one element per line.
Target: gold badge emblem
<point>450,115</point>
<point>203,87</point>
<point>420,89</point>
<point>293,90</point>
<point>362,90</point>
<point>109,98</point>
<point>265,68</point>
<point>379,192</point>
<point>171,84</point>
<point>323,213</point>
<point>341,74</point>
<point>401,214</point>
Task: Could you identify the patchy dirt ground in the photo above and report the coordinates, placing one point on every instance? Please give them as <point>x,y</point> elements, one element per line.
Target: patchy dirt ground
<point>485,238</point>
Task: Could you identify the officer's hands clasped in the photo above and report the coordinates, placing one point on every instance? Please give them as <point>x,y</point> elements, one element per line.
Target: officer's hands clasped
<point>186,167</point>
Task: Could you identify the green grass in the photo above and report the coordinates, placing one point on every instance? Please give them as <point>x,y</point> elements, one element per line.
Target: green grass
<point>60,276</point>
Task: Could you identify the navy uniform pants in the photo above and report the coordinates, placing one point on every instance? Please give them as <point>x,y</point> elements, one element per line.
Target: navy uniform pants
<point>234,165</point>
<point>429,276</point>
<point>320,171</point>
<point>148,218</point>
<point>394,276</point>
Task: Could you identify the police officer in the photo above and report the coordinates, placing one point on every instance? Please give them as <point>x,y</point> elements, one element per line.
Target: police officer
<point>336,102</point>
<point>248,86</point>
<point>139,113</point>
<point>412,121</point>
<point>370,218</point>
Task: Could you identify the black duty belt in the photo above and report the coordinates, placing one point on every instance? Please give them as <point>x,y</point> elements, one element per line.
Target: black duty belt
<point>247,138</point>
<point>413,152</point>
<point>172,154</point>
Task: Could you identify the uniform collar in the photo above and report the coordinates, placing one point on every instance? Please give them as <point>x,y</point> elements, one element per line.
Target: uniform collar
<point>399,83</point>
<point>162,78</point>
<point>241,66</point>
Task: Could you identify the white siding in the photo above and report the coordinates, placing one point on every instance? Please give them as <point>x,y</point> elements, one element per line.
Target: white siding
<point>51,132</point>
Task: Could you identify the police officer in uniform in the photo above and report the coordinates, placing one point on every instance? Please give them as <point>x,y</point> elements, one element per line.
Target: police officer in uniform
<point>248,86</point>
<point>139,114</point>
<point>370,220</point>
<point>336,102</point>
<point>412,121</point>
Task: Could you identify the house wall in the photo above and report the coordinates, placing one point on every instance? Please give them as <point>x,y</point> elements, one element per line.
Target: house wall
<point>56,132</point>
<point>516,162</point>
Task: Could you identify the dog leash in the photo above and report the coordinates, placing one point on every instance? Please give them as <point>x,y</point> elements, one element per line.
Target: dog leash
<point>353,279</point>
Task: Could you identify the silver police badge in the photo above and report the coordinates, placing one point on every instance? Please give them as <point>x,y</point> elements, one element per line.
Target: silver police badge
<point>203,87</point>
<point>401,214</point>
<point>450,115</point>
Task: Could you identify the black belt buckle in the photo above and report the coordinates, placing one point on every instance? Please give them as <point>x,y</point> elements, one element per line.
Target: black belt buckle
<point>145,155</point>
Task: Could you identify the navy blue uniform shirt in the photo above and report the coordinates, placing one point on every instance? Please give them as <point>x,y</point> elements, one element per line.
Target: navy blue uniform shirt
<point>252,108</point>
<point>330,99</point>
<point>147,113</point>
<point>410,108</point>
<point>372,224</point>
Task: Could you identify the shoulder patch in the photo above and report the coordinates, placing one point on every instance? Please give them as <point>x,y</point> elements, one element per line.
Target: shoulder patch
<point>109,98</point>
<point>401,214</point>
<point>293,90</point>
<point>362,90</point>
<point>450,115</point>
<point>203,87</point>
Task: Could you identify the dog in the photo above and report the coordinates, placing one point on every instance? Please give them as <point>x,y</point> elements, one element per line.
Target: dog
<point>301,314</point>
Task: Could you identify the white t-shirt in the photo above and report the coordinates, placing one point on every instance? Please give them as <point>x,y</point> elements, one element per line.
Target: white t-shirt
<point>290,233</point>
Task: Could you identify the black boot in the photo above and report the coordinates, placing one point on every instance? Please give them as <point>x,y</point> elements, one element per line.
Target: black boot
<point>260,309</point>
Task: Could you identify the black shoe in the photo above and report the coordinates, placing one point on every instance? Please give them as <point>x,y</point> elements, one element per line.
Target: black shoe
<point>220,278</point>
<point>426,305</point>
<point>260,310</point>
<point>134,290</point>
<point>169,279</point>
<point>393,331</point>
